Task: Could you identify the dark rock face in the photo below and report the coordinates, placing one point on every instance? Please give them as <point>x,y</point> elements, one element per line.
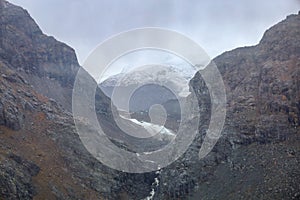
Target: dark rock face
<point>11,117</point>
<point>262,85</point>
<point>41,154</point>
<point>47,64</point>
<point>33,68</point>
<point>10,114</point>
<point>19,173</point>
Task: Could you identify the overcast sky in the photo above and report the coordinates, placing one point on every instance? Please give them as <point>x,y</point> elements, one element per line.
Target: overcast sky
<point>217,25</point>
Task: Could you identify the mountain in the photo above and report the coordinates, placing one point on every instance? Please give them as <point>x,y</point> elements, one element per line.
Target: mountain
<point>146,74</point>
<point>42,156</point>
<point>150,86</point>
<point>256,156</point>
<point>48,65</point>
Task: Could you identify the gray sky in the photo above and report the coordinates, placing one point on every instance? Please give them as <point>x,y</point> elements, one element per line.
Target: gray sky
<point>217,25</point>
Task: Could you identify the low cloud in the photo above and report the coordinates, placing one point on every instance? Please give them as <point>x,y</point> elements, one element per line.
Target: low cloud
<point>216,25</point>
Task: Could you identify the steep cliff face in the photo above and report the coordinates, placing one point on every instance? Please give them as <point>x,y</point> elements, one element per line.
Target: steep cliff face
<point>263,83</point>
<point>50,66</point>
<point>256,156</point>
<point>41,154</point>
<point>261,132</point>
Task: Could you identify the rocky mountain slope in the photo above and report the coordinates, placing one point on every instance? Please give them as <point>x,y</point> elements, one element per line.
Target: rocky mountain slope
<point>50,66</point>
<point>262,125</point>
<point>257,156</point>
<point>42,157</point>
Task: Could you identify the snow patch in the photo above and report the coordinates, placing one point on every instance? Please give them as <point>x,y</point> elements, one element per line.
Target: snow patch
<point>152,128</point>
<point>174,78</point>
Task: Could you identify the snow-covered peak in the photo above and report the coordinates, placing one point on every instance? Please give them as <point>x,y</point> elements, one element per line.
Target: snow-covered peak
<point>176,79</point>
<point>138,75</point>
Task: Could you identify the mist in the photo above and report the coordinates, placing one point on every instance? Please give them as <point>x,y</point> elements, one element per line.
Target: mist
<point>217,25</point>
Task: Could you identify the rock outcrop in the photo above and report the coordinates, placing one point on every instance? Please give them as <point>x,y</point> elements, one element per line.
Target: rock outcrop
<point>262,125</point>
<point>50,66</point>
<point>37,77</point>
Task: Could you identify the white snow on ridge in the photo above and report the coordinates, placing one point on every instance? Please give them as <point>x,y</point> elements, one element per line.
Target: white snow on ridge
<point>175,79</point>
<point>152,128</point>
<point>142,57</point>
